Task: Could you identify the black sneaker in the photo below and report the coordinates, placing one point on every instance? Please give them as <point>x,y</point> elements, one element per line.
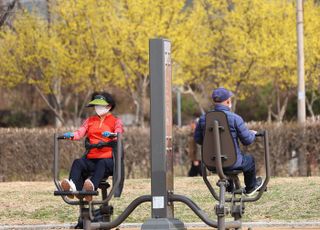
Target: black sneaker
<point>258,185</point>
<point>230,187</point>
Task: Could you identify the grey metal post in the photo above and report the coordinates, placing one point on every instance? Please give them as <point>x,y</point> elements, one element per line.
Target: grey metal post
<point>178,107</point>
<point>300,53</point>
<point>301,102</point>
<point>161,137</point>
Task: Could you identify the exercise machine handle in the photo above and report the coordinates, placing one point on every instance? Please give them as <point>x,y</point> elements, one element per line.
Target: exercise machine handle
<point>267,168</point>
<point>260,134</point>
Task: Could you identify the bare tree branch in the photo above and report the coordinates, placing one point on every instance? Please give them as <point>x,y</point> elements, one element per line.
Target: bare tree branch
<point>48,104</point>
<point>6,14</point>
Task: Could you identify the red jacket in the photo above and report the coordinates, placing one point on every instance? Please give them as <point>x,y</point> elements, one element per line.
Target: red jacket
<point>93,128</point>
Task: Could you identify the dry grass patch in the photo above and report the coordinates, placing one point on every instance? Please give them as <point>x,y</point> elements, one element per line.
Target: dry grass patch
<point>287,199</point>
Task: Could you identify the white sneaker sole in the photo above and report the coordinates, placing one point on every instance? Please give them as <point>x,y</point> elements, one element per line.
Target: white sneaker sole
<point>65,185</point>
<point>88,186</point>
<point>256,189</point>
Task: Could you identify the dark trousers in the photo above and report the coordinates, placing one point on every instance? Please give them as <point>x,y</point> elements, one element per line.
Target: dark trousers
<point>83,168</point>
<point>195,170</point>
<point>249,171</point>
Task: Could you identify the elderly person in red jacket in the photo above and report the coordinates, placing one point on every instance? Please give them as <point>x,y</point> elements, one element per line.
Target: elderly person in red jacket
<point>97,162</point>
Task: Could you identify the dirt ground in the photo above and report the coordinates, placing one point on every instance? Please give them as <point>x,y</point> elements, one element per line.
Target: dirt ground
<point>33,203</point>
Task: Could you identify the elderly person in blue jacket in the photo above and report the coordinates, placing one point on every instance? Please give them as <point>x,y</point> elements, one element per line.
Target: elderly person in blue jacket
<point>239,131</point>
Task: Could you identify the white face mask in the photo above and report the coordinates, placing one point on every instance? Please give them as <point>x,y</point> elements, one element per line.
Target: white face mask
<point>101,110</point>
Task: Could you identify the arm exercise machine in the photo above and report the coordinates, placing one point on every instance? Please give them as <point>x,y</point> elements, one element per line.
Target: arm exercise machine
<point>91,217</point>
<point>219,153</point>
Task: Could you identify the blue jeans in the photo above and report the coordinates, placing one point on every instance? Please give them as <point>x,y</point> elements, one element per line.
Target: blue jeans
<point>82,168</point>
<point>249,171</point>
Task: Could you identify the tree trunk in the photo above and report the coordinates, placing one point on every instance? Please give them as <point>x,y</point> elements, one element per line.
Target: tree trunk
<point>281,109</point>
<point>138,94</point>
<point>57,111</point>
<point>234,104</point>
<point>312,164</point>
<point>78,111</point>
<point>137,104</point>
<point>310,105</point>
<point>7,12</point>
<point>142,85</point>
<point>57,95</point>
<point>137,101</point>
<point>278,104</point>
<point>57,121</point>
<point>140,112</point>
<point>269,119</point>
<point>194,96</point>
<point>76,120</point>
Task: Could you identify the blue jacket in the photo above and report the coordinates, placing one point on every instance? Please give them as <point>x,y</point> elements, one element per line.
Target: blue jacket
<point>238,129</point>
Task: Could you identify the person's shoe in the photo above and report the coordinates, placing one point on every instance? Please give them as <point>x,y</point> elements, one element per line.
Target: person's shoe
<point>250,192</point>
<point>230,187</point>
<point>68,185</point>
<point>88,186</point>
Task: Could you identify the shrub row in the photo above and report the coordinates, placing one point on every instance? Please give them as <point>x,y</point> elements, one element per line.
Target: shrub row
<point>27,154</point>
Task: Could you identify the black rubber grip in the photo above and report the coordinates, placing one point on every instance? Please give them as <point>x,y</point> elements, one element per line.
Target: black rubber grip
<point>260,134</point>
<point>81,193</point>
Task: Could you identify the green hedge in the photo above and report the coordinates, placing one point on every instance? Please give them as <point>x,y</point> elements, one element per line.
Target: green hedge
<point>27,154</point>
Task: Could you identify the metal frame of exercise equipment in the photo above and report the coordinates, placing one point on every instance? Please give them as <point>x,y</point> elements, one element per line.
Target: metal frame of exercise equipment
<point>162,195</point>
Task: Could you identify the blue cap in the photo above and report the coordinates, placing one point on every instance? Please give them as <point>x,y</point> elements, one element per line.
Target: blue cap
<point>221,94</point>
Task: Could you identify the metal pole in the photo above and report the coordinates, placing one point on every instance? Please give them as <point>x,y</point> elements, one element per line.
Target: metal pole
<point>300,53</point>
<point>56,161</point>
<point>161,137</point>
<point>178,107</point>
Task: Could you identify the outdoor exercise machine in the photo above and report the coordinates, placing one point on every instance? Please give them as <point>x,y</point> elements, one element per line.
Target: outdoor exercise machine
<point>218,153</point>
<point>88,210</point>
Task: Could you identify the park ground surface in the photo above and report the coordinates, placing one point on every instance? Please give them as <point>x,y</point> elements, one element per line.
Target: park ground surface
<point>258,228</point>
<point>288,200</point>
<point>245,228</point>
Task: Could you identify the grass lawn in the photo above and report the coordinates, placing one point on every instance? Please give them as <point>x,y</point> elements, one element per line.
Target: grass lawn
<point>287,199</point>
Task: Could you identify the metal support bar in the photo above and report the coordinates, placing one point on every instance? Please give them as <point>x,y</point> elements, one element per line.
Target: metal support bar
<point>135,203</point>
<point>56,161</point>
<point>162,210</point>
<point>265,182</point>
<point>86,217</point>
<point>220,208</point>
<point>178,107</point>
<point>117,173</point>
<point>206,181</point>
<point>56,171</point>
<point>201,214</point>
<point>217,150</point>
<point>267,169</point>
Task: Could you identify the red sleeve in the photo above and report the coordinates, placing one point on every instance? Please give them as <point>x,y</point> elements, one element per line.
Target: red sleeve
<point>81,132</point>
<point>118,127</point>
